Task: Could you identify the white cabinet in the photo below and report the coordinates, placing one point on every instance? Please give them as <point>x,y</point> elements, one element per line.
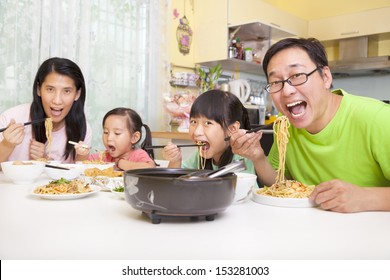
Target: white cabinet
<point>351,25</point>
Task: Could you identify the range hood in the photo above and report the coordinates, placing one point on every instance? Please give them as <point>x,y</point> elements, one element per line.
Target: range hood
<point>358,57</point>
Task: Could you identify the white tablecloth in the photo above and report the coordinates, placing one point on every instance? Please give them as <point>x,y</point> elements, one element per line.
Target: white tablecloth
<point>102,226</point>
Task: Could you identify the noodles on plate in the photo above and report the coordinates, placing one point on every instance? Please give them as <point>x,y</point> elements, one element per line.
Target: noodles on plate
<point>108,172</point>
<point>63,186</point>
<point>282,187</point>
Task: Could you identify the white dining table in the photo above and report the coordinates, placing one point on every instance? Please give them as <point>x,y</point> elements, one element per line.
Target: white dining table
<point>105,227</point>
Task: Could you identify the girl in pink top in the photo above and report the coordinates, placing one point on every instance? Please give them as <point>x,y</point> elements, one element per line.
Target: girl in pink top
<point>121,133</point>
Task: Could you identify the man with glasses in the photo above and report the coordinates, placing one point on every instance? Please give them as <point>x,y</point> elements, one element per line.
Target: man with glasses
<point>338,141</point>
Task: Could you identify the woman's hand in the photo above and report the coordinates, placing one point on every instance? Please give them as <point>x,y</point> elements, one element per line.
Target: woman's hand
<point>173,154</point>
<point>14,134</point>
<point>37,150</point>
<point>339,196</point>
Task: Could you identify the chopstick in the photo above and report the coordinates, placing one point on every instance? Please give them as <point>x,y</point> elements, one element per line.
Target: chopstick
<point>56,167</point>
<point>263,128</point>
<point>26,123</point>
<point>179,146</point>
<point>81,145</point>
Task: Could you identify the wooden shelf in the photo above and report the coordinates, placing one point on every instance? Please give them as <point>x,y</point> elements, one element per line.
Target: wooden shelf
<point>171,135</point>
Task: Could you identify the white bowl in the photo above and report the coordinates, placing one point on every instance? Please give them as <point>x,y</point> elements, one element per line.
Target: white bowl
<point>26,173</point>
<point>118,194</point>
<point>92,165</point>
<point>245,182</point>
<point>70,174</point>
<point>106,183</point>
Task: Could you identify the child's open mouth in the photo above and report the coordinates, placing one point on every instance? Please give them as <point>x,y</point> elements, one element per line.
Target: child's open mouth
<point>203,145</point>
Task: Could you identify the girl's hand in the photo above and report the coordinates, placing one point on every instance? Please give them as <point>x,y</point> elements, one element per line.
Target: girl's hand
<point>14,134</point>
<point>81,149</point>
<point>37,150</point>
<point>173,154</point>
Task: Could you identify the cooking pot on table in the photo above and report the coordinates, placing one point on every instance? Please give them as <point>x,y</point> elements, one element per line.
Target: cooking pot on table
<point>163,192</point>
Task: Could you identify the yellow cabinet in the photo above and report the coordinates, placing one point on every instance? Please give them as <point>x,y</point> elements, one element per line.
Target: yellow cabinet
<point>211,30</point>
<point>216,22</point>
<point>351,25</point>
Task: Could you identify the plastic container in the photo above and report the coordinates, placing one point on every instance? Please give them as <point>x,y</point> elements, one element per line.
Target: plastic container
<point>248,54</point>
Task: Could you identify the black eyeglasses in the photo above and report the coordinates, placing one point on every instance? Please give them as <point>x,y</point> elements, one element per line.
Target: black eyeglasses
<point>295,80</point>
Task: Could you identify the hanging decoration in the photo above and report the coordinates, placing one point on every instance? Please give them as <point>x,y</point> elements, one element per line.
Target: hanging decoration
<point>184,34</point>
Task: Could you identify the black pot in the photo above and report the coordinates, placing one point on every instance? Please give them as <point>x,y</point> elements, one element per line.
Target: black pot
<point>161,191</point>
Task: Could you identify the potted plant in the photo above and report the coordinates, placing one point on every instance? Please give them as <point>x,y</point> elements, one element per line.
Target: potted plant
<point>208,78</point>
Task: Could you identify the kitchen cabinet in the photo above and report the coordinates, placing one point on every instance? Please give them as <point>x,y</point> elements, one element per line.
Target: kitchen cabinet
<point>351,25</point>
<point>214,36</point>
<point>241,12</point>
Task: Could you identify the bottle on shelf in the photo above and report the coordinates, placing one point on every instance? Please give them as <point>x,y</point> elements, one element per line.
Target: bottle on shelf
<point>233,50</point>
<point>239,48</point>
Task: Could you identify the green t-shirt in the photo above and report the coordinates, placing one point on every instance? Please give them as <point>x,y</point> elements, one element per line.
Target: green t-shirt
<point>353,147</point>
<point>193,163</point>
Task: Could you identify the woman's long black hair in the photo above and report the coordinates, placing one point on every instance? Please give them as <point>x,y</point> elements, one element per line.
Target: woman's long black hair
<point>134,123</point>
<point>75,121</point>
<point>224,108</point>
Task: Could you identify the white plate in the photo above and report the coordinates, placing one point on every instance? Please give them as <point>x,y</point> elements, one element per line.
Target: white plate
<point>280,201</point>
<point>94,188</point>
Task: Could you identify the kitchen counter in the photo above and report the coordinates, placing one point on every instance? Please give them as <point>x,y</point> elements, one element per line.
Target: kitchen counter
<point>103,226</point>
<point>171,135</point>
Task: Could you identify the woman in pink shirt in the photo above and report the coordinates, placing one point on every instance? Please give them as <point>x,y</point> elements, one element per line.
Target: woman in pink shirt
<point>58,93</point>
<point>122,131</point>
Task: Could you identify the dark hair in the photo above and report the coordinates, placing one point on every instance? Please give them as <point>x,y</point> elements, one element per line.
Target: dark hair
<point>225,108</point>
<point>76,124</point>
<point>311,46</point>
<point>134,124</point>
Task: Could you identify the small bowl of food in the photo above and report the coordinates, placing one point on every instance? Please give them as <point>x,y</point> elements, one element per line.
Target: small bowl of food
<point>22,172</point>
<point>119,191</point>
<point>105,182</point>
<point>65,171</point>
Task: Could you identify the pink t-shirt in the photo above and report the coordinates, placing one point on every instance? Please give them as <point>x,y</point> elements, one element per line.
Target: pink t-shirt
<point>21,114</point>
<point>137,155</point>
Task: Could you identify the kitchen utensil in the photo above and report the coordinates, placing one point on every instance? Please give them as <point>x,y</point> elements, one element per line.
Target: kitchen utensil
<point>262,127</point>
<point>26,123</point>
<point>236,166</point>
<point>84,146</point>
<point>179,146</point>
<point>241,88</point>
<point>56,167</point>
<point>78,144</point>
<point>164,193</point>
